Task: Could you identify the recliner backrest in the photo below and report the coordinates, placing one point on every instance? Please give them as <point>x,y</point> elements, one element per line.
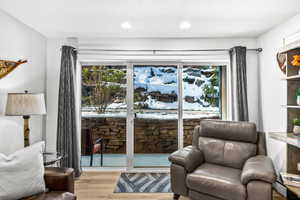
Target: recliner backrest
<point>226,143</point>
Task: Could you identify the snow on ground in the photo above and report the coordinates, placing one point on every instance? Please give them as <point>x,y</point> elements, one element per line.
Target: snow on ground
<point>154,104</point>
<point>117,106</point>
<point>153,115</point>
<point>103,115</point>
<point>197,107</point>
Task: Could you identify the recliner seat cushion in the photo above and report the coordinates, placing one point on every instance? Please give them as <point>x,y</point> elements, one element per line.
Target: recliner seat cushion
<point>218,181</point>
<point>225,152</point>
<point>200,196</point>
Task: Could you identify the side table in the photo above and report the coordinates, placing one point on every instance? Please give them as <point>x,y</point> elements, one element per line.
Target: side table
<point>51,158</point>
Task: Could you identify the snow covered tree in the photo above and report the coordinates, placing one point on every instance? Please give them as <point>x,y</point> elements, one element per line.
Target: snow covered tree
<point>105,86</point>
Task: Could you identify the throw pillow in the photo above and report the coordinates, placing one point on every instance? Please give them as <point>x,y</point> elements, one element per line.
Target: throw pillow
<point>22,173</point>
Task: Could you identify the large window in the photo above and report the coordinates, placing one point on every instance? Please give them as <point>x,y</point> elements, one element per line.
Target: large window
<point>144,112</point>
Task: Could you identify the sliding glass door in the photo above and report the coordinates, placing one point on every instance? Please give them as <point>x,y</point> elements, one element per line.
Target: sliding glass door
<point>104,111</point>
<point>136,114</point>
<point>155,114</point>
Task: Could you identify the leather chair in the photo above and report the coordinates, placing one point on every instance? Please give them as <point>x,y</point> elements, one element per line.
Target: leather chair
<point>59,184</point>
<point>227,161</point>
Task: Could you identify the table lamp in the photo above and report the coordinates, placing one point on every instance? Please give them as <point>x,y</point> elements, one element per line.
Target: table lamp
<point>25,104</point>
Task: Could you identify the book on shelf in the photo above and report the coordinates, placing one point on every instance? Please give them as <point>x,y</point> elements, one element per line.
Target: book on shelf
<point>290,179</point>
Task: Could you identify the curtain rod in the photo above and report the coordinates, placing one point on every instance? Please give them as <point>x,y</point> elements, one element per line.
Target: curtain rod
<point>165,50</point>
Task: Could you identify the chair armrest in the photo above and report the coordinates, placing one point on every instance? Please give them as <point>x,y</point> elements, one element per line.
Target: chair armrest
<point>258,168</point>
<point>59,179</point>
<point>189,158</point>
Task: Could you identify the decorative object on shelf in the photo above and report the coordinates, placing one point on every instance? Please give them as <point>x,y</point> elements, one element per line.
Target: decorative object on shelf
<point>7,66</point>
<point>281,60</point>
<point>296,129</point>
<point>298,97</point>
<point>296,60</point>
<point>293,62</point>
<point>25,104</point>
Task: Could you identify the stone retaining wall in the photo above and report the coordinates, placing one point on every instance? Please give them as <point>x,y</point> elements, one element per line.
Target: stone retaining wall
<point>151,135</point>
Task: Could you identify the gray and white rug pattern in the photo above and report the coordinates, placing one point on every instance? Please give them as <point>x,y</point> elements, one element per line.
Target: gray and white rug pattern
<point>143,182</point>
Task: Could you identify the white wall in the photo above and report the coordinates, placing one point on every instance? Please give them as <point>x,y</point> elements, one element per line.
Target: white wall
<point>273,89</point>
<point>53,64</point>
<point>52,85</point>
<point>18,41</point>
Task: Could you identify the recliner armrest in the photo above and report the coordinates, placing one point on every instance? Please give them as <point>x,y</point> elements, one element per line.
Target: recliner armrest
<point>258,168</point>
<point>189,158</point>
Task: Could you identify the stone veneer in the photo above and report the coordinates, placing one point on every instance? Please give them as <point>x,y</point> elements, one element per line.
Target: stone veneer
<point>151,135</point>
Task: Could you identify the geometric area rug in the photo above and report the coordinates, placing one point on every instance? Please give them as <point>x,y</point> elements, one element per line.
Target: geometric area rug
<point>143,182</point>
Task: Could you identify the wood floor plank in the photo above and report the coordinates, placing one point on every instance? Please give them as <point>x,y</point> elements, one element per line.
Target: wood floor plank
<point>100,186</point>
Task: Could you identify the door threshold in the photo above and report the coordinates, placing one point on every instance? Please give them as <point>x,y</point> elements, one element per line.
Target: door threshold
<point>154,170</point>
<point>104,169</point>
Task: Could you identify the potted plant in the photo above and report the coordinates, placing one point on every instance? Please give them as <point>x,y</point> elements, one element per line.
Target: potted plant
<point>296,123</point>
<point>298,97</point>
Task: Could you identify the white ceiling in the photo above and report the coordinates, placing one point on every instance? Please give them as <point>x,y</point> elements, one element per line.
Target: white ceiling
<point>151,18</point>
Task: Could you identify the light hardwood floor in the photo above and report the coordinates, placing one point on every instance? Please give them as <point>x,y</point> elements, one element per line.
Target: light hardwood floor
<point>100,186</point>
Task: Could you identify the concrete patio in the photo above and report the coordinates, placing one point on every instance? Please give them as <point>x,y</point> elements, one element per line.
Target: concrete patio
<point>119,160</point>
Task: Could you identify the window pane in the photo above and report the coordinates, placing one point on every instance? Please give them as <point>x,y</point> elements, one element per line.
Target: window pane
<point>155,108</point>
<point>155,87</point>
<point>104,115</point>
<point>201,96</point>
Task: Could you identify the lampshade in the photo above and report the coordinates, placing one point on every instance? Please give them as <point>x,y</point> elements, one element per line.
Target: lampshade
<point>25,104</point>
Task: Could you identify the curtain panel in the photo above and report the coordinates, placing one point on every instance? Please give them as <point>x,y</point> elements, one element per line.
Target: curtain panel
<point>239,83</point>
<point>67,139</point>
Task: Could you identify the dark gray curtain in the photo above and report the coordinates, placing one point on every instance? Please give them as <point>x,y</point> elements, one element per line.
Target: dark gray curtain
<point>239,83</point>
<point>67,139</point>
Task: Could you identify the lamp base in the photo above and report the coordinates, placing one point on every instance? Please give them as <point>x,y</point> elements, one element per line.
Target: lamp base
<point>26,130</point>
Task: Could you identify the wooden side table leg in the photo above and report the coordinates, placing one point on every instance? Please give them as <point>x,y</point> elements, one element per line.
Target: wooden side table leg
<point>176,196</point>
<point>91,147</point>
<point>91,159</point>
<point>102,153</point>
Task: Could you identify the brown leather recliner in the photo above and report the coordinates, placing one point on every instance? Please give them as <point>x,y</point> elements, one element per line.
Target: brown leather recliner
<point>227,161</point>
<point>59,183</point>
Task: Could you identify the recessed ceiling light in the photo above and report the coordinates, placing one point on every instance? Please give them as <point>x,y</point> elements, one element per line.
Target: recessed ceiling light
<point>126,25</point>
<point>185,25</point>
